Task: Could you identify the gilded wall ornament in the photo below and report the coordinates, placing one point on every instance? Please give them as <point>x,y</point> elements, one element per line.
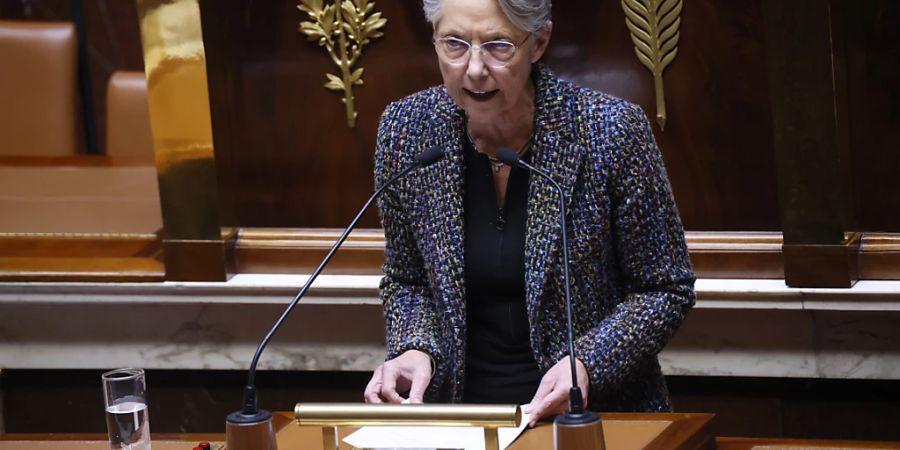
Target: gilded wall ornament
<point>654,26</point>
<point>343,28</point>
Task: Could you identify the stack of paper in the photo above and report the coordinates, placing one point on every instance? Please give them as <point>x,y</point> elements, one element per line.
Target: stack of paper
<point>412,437</point>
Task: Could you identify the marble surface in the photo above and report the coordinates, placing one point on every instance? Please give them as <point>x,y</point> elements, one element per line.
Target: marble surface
<point>739,327</point>
<point>866,295</point>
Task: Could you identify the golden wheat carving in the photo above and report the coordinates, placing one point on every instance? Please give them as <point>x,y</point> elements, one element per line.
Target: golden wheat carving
<point>343,28</point>
<point>654,26</point>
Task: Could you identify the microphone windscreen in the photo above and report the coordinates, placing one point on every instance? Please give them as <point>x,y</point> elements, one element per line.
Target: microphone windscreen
<point>508,157</point>
<point>429,156</point>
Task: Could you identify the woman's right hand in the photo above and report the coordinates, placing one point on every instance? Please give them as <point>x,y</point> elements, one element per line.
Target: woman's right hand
<point>410,372</point>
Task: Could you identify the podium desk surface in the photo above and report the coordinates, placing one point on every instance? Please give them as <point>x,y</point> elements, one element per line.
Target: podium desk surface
<point>623,431</point>
<point>726,443</point>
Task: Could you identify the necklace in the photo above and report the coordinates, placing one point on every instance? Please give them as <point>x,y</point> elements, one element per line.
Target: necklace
<point>496,164</point>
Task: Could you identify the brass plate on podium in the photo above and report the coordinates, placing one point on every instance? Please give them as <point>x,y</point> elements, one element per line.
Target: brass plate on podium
<point>623,431</point>
<point>619,435</point>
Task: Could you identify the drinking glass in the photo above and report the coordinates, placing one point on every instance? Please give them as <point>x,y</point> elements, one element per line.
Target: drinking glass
<point>127,421</point>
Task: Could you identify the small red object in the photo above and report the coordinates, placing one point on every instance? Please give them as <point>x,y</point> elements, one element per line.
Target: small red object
<point>204,446</point>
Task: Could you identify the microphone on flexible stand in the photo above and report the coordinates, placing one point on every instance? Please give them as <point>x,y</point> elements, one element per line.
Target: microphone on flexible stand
<point>251,428</point>
<point>578,428</point>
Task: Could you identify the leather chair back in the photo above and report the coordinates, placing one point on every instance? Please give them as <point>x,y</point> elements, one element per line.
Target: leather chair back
<point>128,116</point>
<point>38,89</point>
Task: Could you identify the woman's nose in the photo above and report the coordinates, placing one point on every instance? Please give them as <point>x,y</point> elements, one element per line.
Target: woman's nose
<point>476,67</point>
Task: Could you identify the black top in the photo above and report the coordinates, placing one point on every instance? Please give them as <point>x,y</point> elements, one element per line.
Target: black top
<point>500,364</point>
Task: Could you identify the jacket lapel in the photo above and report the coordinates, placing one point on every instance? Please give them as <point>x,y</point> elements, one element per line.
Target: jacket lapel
<point>557,153</point>
<point>443,226</point>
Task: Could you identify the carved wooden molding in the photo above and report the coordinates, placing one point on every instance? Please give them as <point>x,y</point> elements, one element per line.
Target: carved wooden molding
<point>80,257</point>
<point>50,257</point>
<point>714,254</point>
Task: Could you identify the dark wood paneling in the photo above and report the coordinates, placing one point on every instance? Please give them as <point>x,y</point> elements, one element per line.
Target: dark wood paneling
<point>289,159</point>
<point>718,140</point>
<point>810,444</point>
<point>34,9</point>
<point>199,399</point>
<point>282,142</point>
<point>874,84</point>
<point>806,63</point>
<point>199,260</point>
<point>824,266</point>
<point>749,407</point>
<point>793,408</point>
<point>803,84</point>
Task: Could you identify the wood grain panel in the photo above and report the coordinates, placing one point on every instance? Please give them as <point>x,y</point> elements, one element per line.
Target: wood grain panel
<point>718,143</point>
<point>873,73</point>
<point>879,257</point>
<point>301,251</point>
<point>95,269</point>
<point>76,246</point>
<point>714,255</point>
<point>289,160</point>
<point>736,255</point>
<point>281,139</point>
<point>81,257</point>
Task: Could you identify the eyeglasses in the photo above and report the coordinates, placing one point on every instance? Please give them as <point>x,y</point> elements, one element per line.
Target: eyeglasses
<point>456,51</point>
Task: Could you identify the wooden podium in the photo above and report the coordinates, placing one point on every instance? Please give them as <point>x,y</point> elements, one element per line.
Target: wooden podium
<point>623,431</point>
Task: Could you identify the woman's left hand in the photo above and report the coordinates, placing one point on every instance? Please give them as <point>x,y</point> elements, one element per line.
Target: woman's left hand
<point>552,396</point>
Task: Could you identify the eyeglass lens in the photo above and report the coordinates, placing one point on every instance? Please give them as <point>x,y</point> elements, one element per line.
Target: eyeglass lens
<point>457,51</point>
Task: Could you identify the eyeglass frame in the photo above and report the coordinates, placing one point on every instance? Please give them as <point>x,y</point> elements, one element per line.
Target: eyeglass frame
<point>465,61</point>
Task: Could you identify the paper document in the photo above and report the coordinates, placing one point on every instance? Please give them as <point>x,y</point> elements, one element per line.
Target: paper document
<point>411,437</point>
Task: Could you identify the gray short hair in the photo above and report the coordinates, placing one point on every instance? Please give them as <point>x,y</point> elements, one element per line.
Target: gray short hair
<point>529,15</point>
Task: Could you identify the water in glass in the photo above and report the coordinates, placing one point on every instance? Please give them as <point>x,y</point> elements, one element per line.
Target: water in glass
<point>128,425</point>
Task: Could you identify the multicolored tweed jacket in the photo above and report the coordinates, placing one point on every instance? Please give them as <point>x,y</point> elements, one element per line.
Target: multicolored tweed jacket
<point>631,279</point>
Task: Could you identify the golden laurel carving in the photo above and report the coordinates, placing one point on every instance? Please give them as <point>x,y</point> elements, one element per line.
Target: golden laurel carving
<point>343,28</point>
<point>654,26</point>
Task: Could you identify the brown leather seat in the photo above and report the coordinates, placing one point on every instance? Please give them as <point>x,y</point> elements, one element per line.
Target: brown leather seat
<point>128,116</point>
<point>38,89</point>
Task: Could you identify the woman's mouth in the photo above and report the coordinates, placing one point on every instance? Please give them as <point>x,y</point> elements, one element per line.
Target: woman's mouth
<point>481,95</point>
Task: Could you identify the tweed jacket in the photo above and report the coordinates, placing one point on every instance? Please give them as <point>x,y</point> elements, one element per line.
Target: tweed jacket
<point>631,279</point>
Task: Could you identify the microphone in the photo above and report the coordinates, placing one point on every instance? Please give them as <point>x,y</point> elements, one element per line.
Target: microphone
<point>251,427</point>
<point>578,427</point>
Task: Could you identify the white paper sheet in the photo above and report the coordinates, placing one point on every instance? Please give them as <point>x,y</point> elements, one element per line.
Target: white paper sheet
<point>421,438</point>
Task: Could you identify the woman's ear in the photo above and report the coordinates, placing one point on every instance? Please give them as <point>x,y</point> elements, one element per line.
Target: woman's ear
<point>541,40</point>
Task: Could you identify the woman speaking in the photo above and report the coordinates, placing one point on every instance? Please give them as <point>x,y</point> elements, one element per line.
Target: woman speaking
<point>473,292</point>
